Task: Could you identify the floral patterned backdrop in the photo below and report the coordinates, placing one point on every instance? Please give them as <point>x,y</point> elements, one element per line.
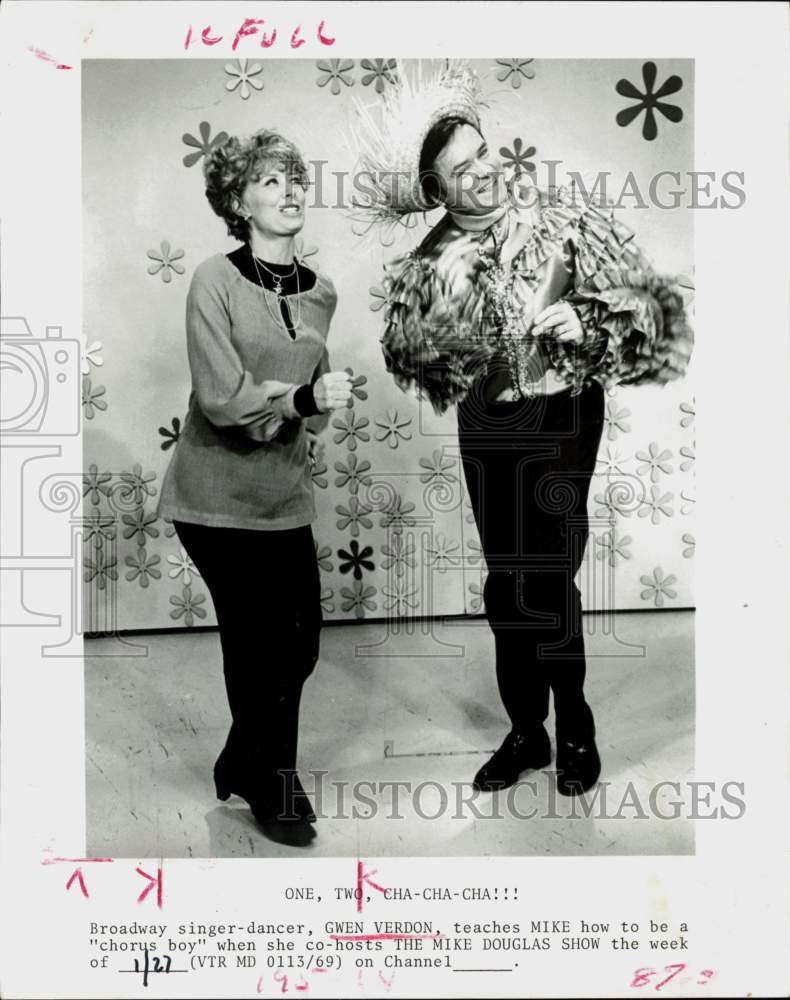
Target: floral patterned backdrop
<point>395,535</point>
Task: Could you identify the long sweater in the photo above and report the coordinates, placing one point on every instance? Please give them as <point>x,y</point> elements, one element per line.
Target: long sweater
<point>241,460</point>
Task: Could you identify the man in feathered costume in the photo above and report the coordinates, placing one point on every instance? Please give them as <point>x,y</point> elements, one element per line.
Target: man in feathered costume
<point>519,307</point>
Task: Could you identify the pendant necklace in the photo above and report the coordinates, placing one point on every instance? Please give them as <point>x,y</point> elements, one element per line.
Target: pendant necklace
<point>277,279</point>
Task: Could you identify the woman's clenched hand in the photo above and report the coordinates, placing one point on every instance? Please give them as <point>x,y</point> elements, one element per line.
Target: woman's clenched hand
<point>332,391</point>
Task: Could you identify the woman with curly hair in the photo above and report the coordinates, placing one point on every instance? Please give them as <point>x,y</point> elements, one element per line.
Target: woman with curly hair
<point>239,486</point>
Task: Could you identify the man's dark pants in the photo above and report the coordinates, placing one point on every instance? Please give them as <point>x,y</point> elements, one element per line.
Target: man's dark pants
<point>528,466</point>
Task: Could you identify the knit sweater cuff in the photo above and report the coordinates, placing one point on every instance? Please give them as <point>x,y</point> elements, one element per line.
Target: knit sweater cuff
<point>304,401</point>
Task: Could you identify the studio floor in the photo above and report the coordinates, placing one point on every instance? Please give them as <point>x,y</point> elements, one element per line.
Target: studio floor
<point>420,707</point>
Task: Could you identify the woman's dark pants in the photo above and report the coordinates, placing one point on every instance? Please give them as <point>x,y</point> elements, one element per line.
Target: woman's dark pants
<point>266,592</point>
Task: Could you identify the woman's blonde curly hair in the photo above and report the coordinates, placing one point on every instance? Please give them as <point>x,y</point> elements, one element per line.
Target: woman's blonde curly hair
<point>231,166</point>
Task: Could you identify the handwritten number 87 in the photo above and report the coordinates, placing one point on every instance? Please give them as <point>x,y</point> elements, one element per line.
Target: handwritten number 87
<point>643,977</point>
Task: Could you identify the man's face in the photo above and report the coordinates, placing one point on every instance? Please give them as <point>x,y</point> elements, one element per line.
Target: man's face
<point>471,177</point>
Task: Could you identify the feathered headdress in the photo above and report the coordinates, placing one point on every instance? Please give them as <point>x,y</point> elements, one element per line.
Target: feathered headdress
<point>388,137</point>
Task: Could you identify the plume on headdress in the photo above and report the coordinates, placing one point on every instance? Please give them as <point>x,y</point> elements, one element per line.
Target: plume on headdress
<point>388,137</point>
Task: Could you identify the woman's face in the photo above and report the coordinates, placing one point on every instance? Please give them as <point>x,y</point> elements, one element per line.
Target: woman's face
<point>471,175</point>
<point>274,202</point>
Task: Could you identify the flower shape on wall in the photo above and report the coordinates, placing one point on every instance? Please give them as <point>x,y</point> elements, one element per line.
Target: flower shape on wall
<point>612,547</point>
<point>137,485</point>
<point>388,234</point>
<point>476,603</point>
<point>101,569</point>
<point>649,100</point>
<point>399,555</point>
<point>352,474</point>
<point>475,551</point>
<point>400,598</point>
<point>657,505</point>
<point>688,502</point>
<point>165,261</point>
<point>382,71</point>
<point>98,528</point>
<point>689,412</point>
<point>188,606</point>
<point>351,429</point>
<point>182,566</point>
<point>658,587</point>
<point>687,286</point>
<point>517,160</point>
<point>691,546</point>
<point>437,469</point>
<point>353,516</point>
<point>327,606</point>
<point>391,428</point>
<point>170,531</point>
<point>142,568</point>
<point>322,556</point>
<point>380,298</point>
<point>358,599</point>
<point>335,72</point>
<point>515,70</point>
<point>356,560</point>
<point>357,381</point>
<point>204,144</point>
<point>139,525</point>
<point>397,516</point>
<point>611,501</point>
<point>318,473</point>
<point>92,398</point>
<point>91,356</point>
<point>616,420</point>
<point>690,456</point>
<point>441,553</point>
<point>611,463</point>
<point>245,76</point>
<point>654,461</point>
<point>170,436</point>
<point>303,252</point>
<point>94,484</point>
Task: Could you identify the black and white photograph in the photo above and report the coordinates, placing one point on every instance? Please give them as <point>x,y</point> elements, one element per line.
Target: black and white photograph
<point>389,456</point>
<point>393,505</point>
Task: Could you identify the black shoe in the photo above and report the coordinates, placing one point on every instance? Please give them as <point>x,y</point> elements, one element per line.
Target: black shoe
<point>578,765</point>
<point>293,829</point>
<point>229,780</point>
<point>301,802</point>
<point>296,832</point>
<point>519,752</point>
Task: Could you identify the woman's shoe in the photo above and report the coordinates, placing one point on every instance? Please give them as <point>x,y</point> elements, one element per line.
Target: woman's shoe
<point>301,802</point>
<point>226,779</point>
<point>292,832</point>
<point>229,782</point>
